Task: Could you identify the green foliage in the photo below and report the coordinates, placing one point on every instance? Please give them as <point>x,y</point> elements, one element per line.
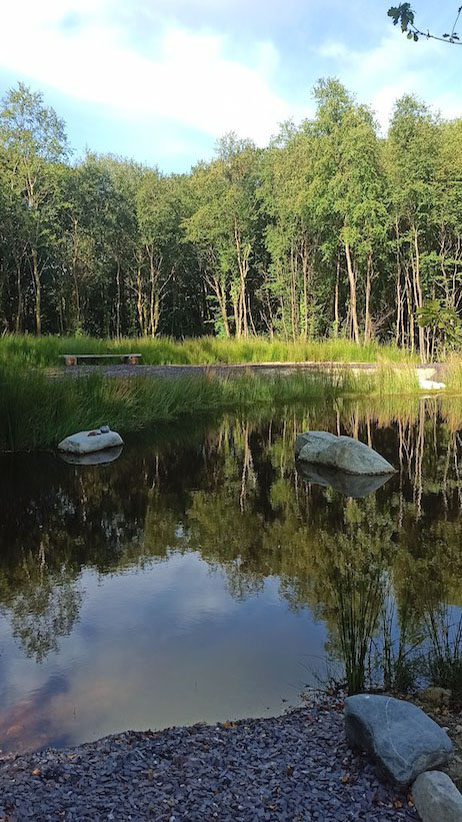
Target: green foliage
<point>445,319</point>
<point>404,15</point>
<point>329,232</point>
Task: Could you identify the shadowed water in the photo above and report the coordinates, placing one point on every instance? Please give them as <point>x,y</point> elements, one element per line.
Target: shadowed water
<point>201,577</point>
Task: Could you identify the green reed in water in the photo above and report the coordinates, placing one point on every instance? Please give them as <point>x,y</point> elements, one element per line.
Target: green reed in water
<point>36,411</point>
<point>444,657</point>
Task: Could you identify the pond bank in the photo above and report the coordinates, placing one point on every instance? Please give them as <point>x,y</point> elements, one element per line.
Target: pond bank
<point>293,767</point>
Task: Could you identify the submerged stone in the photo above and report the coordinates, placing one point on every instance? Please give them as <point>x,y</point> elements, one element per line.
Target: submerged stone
<point>399,736</point>
<point>344,453</point>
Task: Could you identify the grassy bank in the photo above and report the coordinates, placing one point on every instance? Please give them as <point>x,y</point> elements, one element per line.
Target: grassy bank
<point>36,412</point>
<point>46,351</point>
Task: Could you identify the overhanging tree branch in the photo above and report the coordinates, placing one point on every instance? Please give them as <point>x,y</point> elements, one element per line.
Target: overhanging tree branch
<point>404,15</point>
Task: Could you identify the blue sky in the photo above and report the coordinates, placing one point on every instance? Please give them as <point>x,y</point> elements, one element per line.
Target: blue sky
<point>160,80</point>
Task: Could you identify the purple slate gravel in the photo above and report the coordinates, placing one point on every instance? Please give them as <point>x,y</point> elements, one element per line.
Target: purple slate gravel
<point>295,768</point>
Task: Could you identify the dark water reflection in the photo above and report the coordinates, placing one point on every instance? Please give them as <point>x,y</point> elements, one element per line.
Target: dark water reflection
<point>198,576</point>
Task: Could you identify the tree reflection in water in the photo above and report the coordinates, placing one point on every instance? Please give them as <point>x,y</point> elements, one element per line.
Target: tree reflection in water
<point>233,495</point>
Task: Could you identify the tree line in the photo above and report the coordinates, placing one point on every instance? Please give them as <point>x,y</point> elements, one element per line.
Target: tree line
<point>332,229</point>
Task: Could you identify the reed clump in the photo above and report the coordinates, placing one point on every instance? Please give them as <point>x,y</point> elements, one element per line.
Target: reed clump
<point>36,411</point>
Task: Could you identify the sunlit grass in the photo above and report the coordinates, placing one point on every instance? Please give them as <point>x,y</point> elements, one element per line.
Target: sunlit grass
<point>36,411</point>
<point>46,351</point>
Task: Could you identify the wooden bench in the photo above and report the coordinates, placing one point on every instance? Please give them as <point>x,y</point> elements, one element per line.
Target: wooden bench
<point>73,359</point>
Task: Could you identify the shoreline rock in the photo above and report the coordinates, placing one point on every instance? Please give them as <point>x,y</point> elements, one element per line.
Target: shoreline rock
<point>399,736</point>
<point>437,798</point>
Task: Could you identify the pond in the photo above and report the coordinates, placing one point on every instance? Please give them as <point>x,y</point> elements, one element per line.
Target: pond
<point>201,577</point>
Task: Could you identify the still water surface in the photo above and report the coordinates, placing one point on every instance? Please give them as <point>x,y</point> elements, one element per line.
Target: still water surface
<point>195,577</point>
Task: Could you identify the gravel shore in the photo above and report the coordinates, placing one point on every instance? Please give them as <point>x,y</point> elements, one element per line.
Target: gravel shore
<point>295,768</point>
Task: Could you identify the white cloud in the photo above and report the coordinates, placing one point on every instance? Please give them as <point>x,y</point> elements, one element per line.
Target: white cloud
<point>82,51</point>
<point>381,74</point>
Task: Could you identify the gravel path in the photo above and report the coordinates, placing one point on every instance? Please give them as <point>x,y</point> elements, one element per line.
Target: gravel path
<point>295,768</point>
<point>231,370</point>
<point>176,371</point>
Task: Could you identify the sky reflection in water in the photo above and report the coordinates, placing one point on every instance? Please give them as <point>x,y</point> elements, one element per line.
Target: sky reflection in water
<point>190,580</point>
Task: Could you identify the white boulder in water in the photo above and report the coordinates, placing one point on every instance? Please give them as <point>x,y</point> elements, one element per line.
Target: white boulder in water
<point>86,442</point>
<point>344,453</point>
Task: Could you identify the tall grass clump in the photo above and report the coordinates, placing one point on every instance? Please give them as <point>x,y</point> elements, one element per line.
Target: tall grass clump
<point>453,375</point>
<point>36,411</point>
<point>444,658</point>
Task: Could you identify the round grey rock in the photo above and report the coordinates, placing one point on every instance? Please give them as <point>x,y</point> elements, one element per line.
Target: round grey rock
<point>437,798</point>
<point>399,736</point>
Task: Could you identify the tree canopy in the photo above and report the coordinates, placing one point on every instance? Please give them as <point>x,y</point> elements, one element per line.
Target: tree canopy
<point>332,229</point>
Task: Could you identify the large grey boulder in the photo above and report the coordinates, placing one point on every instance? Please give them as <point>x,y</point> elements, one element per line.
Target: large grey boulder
<point>437,798</point>
<point>344,453</point>
<point>351,485</point>
<point>399,736</point>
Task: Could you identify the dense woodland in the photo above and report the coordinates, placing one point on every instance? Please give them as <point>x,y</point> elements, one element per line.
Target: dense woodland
<point>331,230</point>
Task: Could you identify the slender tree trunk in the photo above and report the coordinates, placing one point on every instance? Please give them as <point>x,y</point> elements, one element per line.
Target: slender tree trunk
<point>367,320</point>
<point>305,267</point>
<point>243,264</point>
<point>38,292</point>
<point>419,295</point>
<point>140,303</point>
<point>336,308</point>
<point>154,305</point>
<point>398,287</point>
<point>293,297</point>
<point>75,276</point>
<point>353,303</point>
<point>220,294</point>
<point>410,310</point>
<point>235,298</point>
<point>19,314</point>
<point>118,301</point>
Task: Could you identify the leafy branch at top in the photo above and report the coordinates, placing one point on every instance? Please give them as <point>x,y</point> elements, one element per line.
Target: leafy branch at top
<point>404,16</point>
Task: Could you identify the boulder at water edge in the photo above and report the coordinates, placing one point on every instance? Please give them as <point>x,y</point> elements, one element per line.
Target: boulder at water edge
<point>344,453</point>
<point>437,798</point>
<point>399,736</point>
<point>87,442</point>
